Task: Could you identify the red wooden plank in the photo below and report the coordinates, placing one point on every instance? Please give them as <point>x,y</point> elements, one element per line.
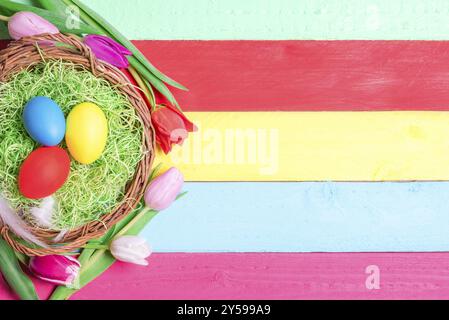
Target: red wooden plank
<point>272,276</point>
<point>306,75</point>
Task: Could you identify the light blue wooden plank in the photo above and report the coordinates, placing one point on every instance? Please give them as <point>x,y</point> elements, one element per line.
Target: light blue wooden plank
<point>305,217</point>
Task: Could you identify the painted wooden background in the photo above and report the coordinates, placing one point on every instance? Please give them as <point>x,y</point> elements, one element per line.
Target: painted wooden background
<point>312,139</point>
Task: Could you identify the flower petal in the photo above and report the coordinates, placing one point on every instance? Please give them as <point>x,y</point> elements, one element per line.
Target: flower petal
<point>55,269</point>
<point>131,249</point>
<point>109,42</point>
<point>106,53</point>
<point>171,127</point>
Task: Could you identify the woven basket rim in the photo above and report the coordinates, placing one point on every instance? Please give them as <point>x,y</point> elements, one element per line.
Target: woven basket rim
<point>30,51</point>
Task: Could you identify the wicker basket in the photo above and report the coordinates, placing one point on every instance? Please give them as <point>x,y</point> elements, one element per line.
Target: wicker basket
<point>28,52</point>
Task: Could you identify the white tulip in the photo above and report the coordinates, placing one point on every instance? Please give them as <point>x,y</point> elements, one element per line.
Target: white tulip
<point>132,249</point>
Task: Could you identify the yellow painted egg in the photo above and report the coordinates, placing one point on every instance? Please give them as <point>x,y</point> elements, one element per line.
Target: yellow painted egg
<point>86,133</point>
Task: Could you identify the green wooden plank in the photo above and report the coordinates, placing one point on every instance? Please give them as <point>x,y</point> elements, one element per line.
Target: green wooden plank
<point>278,19</point>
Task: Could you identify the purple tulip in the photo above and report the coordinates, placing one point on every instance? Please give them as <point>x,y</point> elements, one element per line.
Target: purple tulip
<point>108,50</point>
<point>163,190</point>
<point>26,24</point>
<point>61,270</point>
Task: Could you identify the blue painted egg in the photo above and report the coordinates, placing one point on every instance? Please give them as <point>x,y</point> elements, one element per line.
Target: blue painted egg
<point>44,121</point>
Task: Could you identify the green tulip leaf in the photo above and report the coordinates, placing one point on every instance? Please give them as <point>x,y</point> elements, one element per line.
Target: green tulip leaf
<point>13,274</point>
<point>56,6</point>
<point>122,39</point>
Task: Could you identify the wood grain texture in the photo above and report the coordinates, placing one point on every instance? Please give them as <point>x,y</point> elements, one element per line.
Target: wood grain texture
<point>315,146</point>
<point>276,19</point>
<point>271,276</point>
<point>305,217</point>
<point>306,75</point>
<point>404,76</point>
<point>278,276</point>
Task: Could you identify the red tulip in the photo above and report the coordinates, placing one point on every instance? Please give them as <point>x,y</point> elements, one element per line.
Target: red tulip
<point>171,126</point>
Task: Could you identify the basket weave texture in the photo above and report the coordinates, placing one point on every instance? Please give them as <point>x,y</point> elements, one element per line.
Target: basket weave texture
<point>26,53</point>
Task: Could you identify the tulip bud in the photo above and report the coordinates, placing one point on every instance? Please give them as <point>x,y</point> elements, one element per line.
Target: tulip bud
<point>26,24</point>
<point>132,249</point>
<point>163,190</point>
<point>171,126</point>
<point>108,50</point>
<point>61,270</point>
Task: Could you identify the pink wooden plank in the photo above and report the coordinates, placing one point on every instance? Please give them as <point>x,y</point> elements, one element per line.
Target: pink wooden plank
<point>272,276</point>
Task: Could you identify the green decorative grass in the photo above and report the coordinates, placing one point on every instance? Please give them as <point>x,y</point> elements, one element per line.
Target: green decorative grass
<point>91,190</point>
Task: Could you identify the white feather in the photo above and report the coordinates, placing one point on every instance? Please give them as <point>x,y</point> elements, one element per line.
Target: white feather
<point>13,221</point>
<point>60,236</point>
<point>43,215</point>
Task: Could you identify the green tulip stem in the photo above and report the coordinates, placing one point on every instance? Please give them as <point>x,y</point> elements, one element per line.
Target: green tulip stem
<point>145,87</point>
<point>4,18</point>
<point>95,262</point>
<point>95,246</point>
<point>133,222</point>
<point>53,5</point>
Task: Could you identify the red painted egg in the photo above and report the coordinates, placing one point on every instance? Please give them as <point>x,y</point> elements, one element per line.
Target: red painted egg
<point>44,171</point>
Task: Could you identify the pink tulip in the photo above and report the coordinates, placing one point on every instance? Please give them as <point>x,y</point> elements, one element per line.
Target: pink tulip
<point>108,50</point>
<point>61,270</point>
<point>26,24</point>
<point>163,190</point>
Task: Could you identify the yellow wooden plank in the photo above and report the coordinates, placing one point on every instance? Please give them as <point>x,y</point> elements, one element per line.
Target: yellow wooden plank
<point>315,146</point>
